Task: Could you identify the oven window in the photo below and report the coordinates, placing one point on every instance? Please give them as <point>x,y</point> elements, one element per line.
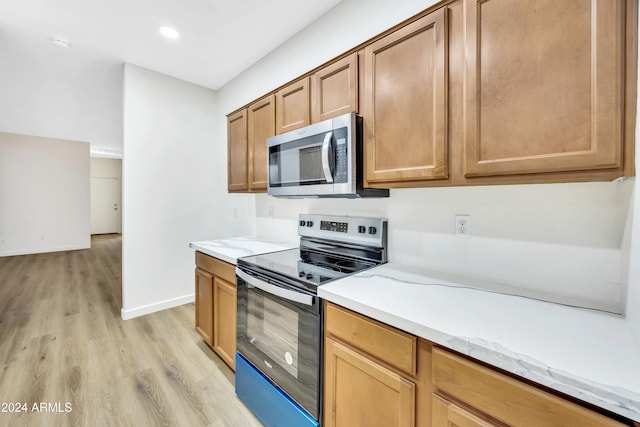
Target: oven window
<point>273,329</point>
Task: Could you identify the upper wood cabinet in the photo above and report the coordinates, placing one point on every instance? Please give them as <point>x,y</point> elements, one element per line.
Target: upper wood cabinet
<point>544,86</point>
<point>261,125</point>
<point>475,92</point>
<point>404,103</point>
<point>334,89</point>
<point>292,106</point>
<point>237,171</point>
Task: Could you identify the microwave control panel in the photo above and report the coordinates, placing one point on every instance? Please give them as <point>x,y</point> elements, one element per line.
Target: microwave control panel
<point>342,167</point>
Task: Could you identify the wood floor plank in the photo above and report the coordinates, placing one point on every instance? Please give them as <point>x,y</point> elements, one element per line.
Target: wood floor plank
<point>62,342</point>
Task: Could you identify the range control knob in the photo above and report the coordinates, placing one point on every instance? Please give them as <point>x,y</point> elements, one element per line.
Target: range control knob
<point>302,222</point>
<point>309,276</point>
<point>309,223</point>
<point>301,273</point>
<point>373,230</point>
<point>362,229</point>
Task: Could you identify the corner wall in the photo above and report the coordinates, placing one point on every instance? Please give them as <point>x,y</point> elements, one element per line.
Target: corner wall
<point>169,190</point>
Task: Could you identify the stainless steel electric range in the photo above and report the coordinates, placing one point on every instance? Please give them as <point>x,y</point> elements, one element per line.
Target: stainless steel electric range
<point>279,338</point>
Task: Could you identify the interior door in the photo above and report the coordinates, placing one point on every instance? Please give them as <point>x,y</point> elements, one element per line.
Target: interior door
<point>104,205</point>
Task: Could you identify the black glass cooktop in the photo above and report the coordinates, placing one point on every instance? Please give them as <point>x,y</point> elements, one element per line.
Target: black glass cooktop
<point>309,267</point>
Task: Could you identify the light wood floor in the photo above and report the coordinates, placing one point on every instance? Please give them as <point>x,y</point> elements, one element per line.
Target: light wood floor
<point>63,344</point>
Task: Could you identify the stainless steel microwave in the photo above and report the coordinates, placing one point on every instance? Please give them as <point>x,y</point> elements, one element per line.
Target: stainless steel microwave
<point>320,160</point>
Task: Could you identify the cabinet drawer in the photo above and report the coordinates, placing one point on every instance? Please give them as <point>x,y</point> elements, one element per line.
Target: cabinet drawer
<point>505,398</point>
<point>395,347</point>
<point>217,267</point>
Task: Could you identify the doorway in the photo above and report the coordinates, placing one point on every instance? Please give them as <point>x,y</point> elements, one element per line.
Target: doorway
<point>104,205</point>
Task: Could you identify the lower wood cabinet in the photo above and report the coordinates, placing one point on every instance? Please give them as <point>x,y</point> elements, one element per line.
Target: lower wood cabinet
<point>216,305</point>
<point>374,375</point>
<point>224,320</point>
<point>486,394</point>
<point>352,378</point>
<point>377,375</point>
<point>204,304</point>
<point>449,414</point>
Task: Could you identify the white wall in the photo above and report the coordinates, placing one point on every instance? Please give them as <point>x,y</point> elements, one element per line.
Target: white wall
<point>552,241</point>
<point>102,167</point>
<point>174,187</point>
<point>633,243</point>
<point>44,194</point>
<point>61,93</point>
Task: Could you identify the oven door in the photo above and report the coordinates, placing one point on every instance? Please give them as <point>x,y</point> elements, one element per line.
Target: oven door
<point>279,332</point>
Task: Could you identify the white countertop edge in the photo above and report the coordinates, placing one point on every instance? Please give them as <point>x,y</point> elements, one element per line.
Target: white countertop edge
<point>230,249</point>
<point>610,398</point>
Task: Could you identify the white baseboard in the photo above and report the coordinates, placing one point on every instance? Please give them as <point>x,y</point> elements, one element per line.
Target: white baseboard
<point>131,313</point>
<point>44,250</point>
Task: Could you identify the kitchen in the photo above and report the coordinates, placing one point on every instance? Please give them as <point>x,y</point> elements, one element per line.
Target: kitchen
<point>546,221</point>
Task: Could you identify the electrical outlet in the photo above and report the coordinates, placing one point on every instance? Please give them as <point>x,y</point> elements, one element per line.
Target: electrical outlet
<point>235,212</point>
<point>463,226</point>
<point>270,212</point>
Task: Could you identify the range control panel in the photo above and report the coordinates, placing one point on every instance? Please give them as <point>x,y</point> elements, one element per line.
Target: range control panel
<point>341,227</point>
<point>361,230</point>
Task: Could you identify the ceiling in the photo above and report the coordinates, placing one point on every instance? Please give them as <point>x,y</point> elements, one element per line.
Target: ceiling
<point>219,38</point>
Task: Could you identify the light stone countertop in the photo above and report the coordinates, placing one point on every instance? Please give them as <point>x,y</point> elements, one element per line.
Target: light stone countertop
<point>231,249</point>
<point>588,354</point>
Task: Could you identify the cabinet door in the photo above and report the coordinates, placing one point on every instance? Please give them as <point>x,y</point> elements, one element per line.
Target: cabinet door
<point>224,320</point>
<point>204,305</point>
<point>544,86</point>
<point>361,392</point>
<point>237,172</point>
<point>261,118</point>
<point>446,414</point>
<point>292,106</point>
<point>405,103</point>
<point>334,89</point>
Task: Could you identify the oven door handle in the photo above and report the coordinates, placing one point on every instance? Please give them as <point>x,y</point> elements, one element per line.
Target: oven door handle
<point>325,157</point>
<point>275,290</point>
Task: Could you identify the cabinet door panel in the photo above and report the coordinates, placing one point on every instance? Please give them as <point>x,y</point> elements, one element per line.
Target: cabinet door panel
<point>549,96</point>
<point>351,379</point>
<point>224,320</point>
<point>446,414</point>
<point>405,103</point>
<point>204,305</point>
<point>292,106</point>
<point>335,89</point>
<point>261,117</point>
<point>237,172</point>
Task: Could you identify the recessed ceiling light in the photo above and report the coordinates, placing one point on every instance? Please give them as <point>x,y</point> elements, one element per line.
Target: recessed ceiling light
<point>60,41</point>
<point>169,32</point>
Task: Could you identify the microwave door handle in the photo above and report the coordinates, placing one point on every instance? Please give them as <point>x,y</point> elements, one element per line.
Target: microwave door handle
<point>325,157</point>
<point>276,290</point>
